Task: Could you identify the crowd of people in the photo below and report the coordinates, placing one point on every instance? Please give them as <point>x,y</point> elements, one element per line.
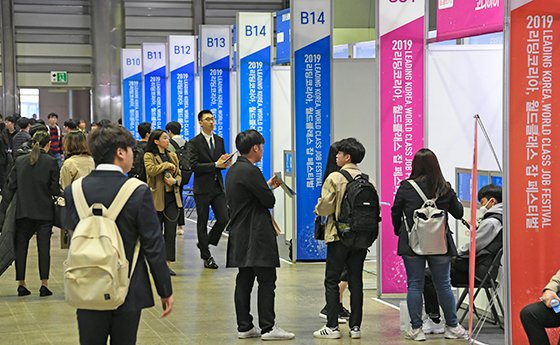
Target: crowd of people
<point>45,159</point>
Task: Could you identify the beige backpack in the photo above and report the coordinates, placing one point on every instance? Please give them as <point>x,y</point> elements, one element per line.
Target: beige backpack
<point>96,270</point>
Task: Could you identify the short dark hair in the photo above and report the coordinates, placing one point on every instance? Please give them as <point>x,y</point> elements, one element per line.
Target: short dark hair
<point>37,127</point>
<point>490,191</point>
<point>32,121</point>
<point>245,140</point>
<point>151,146</point>
<point>202,112</point>
<point>70,124</point>
<point>10,118</point>
<point>144,128</point>
<point>52,115</point>
<point>41,121</point>
<point>104,122</point>
<point>23,122</point>
<point>173,127</point>
<point>119,121</point>
<point>352,147</point>
<point>105,140</point>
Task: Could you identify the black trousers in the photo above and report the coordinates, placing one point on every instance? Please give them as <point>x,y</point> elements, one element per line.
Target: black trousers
<point>95,326</point>
<point>266,277</point>
<point>339,256</point>
<point>459,275</point>
<point>536,318</point>
<point>25,229</point>
<point>169,218</point>
<point>203,202</point>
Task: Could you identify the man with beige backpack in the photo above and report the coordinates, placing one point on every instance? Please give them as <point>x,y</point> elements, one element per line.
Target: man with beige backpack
<point>114,223</point>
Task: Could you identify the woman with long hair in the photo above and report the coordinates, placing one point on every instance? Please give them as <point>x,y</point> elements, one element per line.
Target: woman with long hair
<point>78,162</point>
<point>426,172</point>
<point>34,181</point>
<point>164,179</point>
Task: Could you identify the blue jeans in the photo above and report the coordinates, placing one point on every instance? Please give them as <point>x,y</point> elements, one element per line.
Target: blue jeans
<point>440,267</point>
<point>58,157</point>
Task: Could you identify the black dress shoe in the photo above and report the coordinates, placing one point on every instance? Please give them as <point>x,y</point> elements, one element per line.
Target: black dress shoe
<point>171,272</point>
<point>44,291</point>
<point>210,263</point>
<point>23,291</point>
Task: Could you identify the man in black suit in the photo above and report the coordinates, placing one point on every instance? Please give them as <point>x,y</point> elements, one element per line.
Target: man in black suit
<point>111,147</point>
<point>252,245</point>
<point>208,158</point>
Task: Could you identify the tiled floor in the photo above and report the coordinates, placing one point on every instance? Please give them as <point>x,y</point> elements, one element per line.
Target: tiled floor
<point>203,312</point>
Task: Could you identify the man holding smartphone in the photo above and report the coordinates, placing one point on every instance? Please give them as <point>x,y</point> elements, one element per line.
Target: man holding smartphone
<point>207,159</point>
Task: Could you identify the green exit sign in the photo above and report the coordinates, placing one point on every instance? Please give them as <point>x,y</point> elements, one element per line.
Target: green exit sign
<point>59,77</point>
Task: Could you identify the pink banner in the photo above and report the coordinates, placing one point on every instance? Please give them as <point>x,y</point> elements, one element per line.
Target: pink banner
<point>402,126</point>
<point>464,18</point>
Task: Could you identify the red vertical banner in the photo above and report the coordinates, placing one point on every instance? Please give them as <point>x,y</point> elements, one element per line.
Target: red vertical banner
<point>534,155</point>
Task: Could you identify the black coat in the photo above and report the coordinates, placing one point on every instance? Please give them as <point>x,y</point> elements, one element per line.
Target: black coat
<point>137,220</point>
<point>252,239</point>
<point>203,164</point>
<point>35,186</point>
<point>407,199</point>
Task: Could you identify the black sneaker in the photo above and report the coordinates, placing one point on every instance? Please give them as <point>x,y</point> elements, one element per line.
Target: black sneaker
<point>44,291</point>
<point>343,313</point>
<point>210,263</point>
<point>323,315</point>
<point>23,291</point>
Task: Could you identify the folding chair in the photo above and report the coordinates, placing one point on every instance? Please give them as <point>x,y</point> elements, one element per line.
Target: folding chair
<point>188,201</point>
<point>490,285</point>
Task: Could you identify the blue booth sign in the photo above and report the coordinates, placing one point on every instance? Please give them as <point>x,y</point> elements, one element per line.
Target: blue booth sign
<point>283,37</point>
<point>215,44</point>
<point>182,57</point>
<point>311,41</point>
<point>131,67</point>
<point>254,51</point>
<point>154,67</point>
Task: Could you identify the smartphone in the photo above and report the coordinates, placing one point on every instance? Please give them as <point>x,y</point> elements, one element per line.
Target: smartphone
<point>230,157</point>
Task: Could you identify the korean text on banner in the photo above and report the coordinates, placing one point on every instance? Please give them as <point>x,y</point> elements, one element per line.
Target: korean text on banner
<point>254,51</point>
<point>131,67</point>
<point>311,42</point>
<point>182,53</point>
<point>215,43</point>
<point>402,117</point>
<point>461,18</point>
<point>154,67</point>
<point>533,157</point>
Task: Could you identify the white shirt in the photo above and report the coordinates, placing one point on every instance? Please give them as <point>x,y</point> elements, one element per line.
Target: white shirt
<point>208,137</point>
<point>109,167</point>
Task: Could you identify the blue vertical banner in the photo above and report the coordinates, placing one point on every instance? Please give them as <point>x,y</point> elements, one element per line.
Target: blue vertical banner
<point>154,68</point>
<point>311,22</point>
<point>182,57</point>
<point>254,53</point>
<point>131,78</point>
<point>283,37</point>
<point>215,54</point>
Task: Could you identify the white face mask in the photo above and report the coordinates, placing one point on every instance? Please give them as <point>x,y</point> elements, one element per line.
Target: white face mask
<point>484,209</point>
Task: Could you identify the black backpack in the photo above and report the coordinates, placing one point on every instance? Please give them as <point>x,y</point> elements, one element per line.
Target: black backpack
<point>138,169</point>
<point>360,213</point>
<point>184,164</point>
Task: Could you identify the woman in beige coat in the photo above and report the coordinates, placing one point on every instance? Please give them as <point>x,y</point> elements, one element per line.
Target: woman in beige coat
<point>164,179</point>
<point>78,161</point>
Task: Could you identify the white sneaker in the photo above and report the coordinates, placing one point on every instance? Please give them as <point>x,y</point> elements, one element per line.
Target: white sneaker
<point>355,332</point>
<point>252,333</point>
<point>180,232</point>
<point>457,332</point>
<point>327,333</point>
<point>340,319</point>
<point>416,334</point>
<point>277,333</point>
<point>430,327</point>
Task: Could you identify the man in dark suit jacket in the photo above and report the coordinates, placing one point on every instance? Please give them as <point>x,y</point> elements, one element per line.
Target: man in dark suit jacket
<point>111,147</point>
<point>208,158</point>
<point>252,245</point>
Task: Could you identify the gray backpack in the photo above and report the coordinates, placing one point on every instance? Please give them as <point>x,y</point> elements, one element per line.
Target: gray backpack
<point>428,233</point>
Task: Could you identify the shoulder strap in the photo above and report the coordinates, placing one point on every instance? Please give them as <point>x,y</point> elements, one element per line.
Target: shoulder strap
<point>174,144</point>
<point>346,174</point>
<point>418,190</point>
<point>122,197</point>
<point>494,215</point>
<point>82,206</point>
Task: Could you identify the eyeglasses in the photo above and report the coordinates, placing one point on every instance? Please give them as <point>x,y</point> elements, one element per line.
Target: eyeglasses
<point>209,119</point>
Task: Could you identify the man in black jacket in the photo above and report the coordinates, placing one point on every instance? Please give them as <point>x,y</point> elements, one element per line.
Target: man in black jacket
<point>207,159</point>
<point>252,245</point>
<point>111,147</point>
